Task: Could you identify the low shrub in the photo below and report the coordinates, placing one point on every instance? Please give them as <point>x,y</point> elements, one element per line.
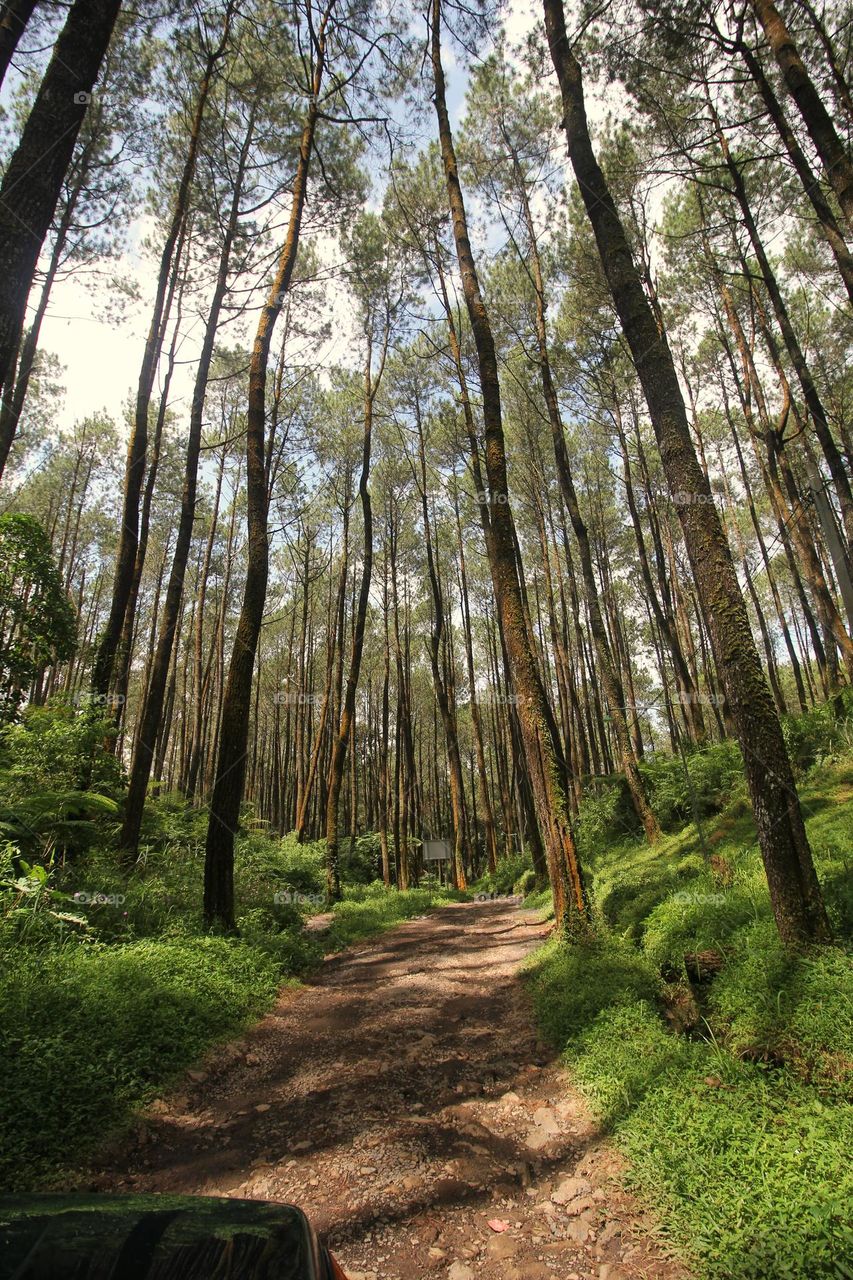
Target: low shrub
<point>378,908</point>
<point>773,1006</point>
<point>90,1031</point>
<point>526,882</point>
<point>700,918</point>
<point>679,791</point>
<point>821,735</point>
<point>572,985</point>
<point>606,815</point>
<point>361,860</point>
<point>506,876</point>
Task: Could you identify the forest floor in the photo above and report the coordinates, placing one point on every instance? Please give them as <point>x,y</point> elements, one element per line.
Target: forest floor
<point>403,1099</point>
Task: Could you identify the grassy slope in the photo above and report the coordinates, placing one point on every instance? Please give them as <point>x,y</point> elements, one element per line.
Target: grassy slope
<point>730,1096</point>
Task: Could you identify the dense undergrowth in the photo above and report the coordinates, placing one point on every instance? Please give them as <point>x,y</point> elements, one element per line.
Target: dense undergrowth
<point>110,989</point>
<point>721,1063</point>
<point>105,1003</point>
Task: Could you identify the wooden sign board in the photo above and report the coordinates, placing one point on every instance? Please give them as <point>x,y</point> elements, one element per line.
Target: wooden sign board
<point>436,850</point>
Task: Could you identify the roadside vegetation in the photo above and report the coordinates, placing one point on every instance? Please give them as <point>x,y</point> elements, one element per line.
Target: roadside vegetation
<point>722,1063</point>
<point>110,987</point>
<point>720,1060</point>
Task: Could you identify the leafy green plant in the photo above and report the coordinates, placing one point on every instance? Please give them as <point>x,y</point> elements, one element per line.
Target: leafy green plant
<point>508,873</point>
<point>32,910</point>
<point>360,863</point>
<point>377,908</point>
<point>821,735</point>
<point>701,918</point>
<point>60,823</point>
<point>776,1007</point>
<point>38,624</point>
<point>101,1029</point>
<point>60,788</point>
<point>738,1131</point>
<point>62,748</point>
<point>703,785</point>
<point>605,815</point>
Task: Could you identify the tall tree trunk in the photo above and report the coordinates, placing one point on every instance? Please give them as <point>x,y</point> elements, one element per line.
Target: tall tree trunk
<point>304,798</point>
<point>842,87</point>
<point>446,707</point>
<point>613,690</point>
<point>195,749</point>
<point>230,771</point>
<point>762,546</point>
<point>14,16</point>
<point>476,718</point>
<point>35,173</point>
<point>794,889</point>
<point>546,765</point>
<point>124,652</point>
<point>384,745</point>
<point>816,118</point>
<point>801,530</point>
<point>339,750</point>
<point>810,392</point>
<point>18,383</point>
<point>828,222</point>
<point>152,704</point>
<point>687,690</point>
<point>405,757</point>
<point>791,528</point>
<point>138,444</point>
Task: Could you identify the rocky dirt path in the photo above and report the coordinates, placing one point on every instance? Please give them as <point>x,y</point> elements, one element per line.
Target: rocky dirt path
<point>403,1100</point>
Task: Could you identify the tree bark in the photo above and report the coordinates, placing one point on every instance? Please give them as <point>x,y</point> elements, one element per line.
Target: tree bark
<point>152,704</point>
<point>794,889</point>
<point>489,831</point>
<point>345,725</point>
<point>546,766</point>
<point>807,384</point>
<point>446,706</point>
<point>33,179</point>
<point>137,448</point>
<point>304,799</point>
<point>14,16</point>
<point>233,739</point>
<point>828,222</point>
<point>816,118</point>
<point>613,690</point>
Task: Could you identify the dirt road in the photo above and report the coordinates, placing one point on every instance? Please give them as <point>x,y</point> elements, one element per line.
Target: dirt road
<point>403,1100</point>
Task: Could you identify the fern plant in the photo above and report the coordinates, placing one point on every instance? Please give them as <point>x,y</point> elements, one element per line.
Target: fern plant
<point>31,907</point>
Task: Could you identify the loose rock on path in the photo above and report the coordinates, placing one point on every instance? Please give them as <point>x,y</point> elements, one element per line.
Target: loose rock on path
<point>404,1101</point>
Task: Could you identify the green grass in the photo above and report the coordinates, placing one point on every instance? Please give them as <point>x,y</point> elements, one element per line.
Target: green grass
<point>373,909</point>
<point>751,1176</point>
<point>739,1132</point>
<point>89,1032</point>
<point>106,1004</point>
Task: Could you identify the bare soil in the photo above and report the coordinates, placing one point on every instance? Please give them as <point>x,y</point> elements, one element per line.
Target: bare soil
<point>403,1099</point>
